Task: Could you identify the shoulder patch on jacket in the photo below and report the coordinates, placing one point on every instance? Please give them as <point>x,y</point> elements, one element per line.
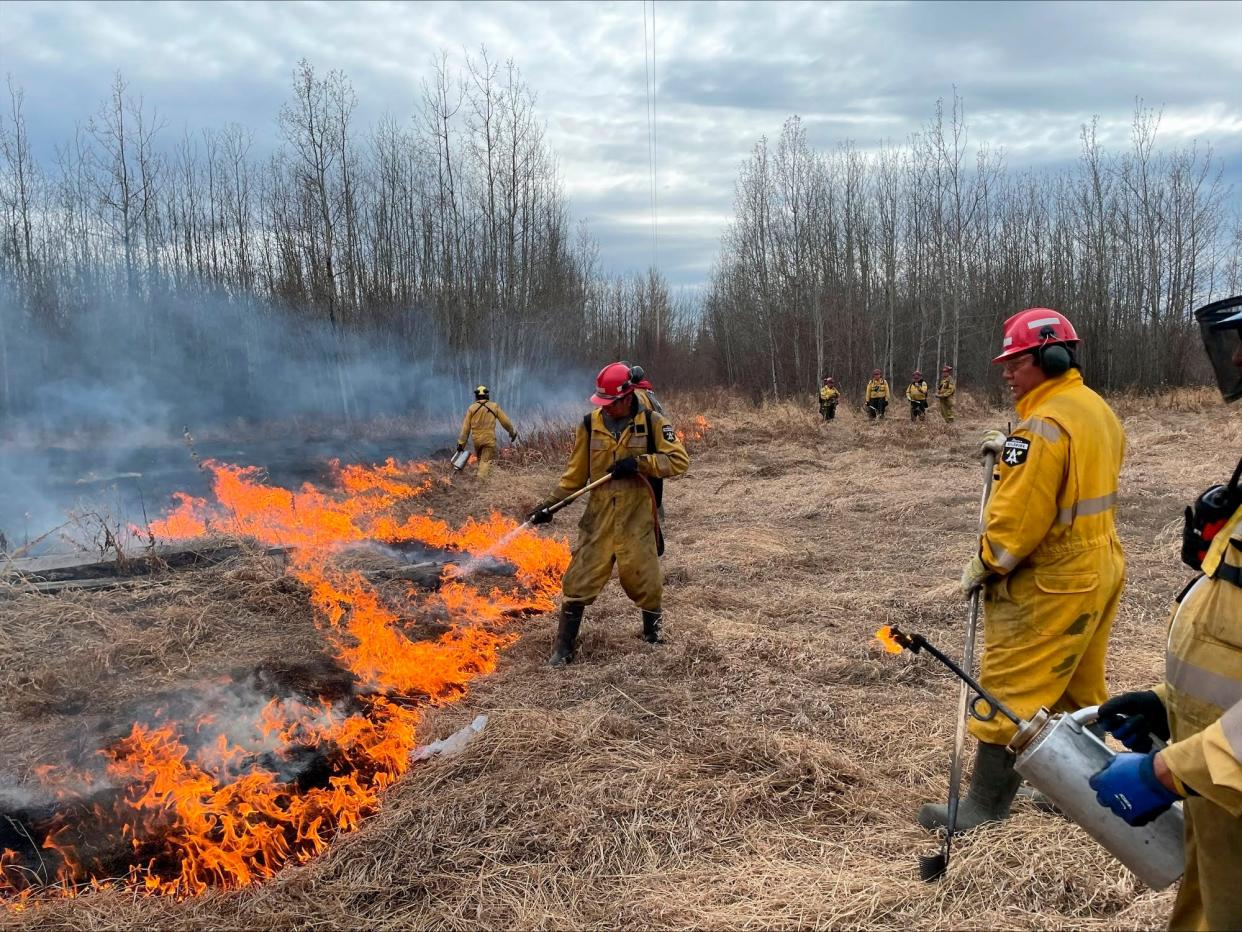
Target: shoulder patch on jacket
<point>669,434</point>
<point>1015,451</point>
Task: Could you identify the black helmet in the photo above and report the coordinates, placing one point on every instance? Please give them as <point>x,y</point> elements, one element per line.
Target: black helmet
<point>1220,323</point>
<point>482,393</point>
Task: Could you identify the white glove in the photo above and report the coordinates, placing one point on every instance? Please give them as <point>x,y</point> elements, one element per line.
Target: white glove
<point>975,574</point>
<point>993,442</point>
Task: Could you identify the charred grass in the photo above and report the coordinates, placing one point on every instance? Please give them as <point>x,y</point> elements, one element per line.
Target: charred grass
<point>761,770</point>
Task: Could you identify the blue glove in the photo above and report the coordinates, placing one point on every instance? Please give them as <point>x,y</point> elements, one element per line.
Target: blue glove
<point>1129,787</point>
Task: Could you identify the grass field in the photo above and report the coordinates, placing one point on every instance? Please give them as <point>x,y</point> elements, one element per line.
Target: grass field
<point>760,770</point>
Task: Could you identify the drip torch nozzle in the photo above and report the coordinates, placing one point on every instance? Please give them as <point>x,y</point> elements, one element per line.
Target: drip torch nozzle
<point>894,639</point>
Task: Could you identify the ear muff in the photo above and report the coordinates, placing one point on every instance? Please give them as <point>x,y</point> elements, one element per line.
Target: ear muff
<point>1055,359</point>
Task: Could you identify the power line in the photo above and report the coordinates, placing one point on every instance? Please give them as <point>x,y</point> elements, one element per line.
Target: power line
<point>649,70</point>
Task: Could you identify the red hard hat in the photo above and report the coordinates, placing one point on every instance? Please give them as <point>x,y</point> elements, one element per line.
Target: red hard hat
<point>612,384</point>
<point>947,369</point>
<point>876,374</point>
<point>917,374</point>
<point>830,380</point>
<point>1035,327</point>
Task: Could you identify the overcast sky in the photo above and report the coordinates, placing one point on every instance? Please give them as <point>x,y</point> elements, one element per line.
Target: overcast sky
<point>726,73</point>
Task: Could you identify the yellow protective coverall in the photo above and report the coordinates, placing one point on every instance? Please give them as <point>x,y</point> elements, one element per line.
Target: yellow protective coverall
<point>1050,539</point>
<point>877,396</point>
<point>620,525</point>
<point>916,394</point>
<point>945,392</point>
<point>1202,693</point>
<point>479,425</point>
<point>647,399</point>
<point>828,399</point>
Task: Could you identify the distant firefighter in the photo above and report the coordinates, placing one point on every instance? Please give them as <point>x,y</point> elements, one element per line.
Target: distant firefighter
<point>877,395</point>
<point>916,394</point>
<point>945,392</point>
<point>479,425</point>
<point>828,399</point>
<point>620,525</point>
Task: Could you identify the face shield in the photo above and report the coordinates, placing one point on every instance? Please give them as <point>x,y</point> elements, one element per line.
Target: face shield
<point>1220,323</point>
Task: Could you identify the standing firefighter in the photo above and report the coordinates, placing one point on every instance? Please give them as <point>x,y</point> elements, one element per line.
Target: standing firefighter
<point>1049,557</point>
<point>877,395</point>
<point>828,399</point>
<point>945,391</point>
<point>1198,708</point>
<point>620,524</point>
<point>479,425</point>
<point>916,394</point>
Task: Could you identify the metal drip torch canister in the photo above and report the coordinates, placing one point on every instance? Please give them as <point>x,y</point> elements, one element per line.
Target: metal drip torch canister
<point>460,459</point>
<point>1058,754</point>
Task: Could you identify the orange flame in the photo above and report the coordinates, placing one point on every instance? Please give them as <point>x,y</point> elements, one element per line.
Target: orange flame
<point>695,431</point>
<point>885,637</point>
<point>200,818</point>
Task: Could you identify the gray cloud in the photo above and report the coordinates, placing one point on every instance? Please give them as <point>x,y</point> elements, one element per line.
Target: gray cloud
<point>1030,73</point>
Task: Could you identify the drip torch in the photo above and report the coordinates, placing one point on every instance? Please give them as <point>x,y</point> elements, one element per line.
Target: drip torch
<point>1057,754</point>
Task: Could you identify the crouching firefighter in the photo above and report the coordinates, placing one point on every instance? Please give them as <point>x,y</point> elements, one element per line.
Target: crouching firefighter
<point>621,522</point>
<point>1198,707</point>
<point>1049,558</point>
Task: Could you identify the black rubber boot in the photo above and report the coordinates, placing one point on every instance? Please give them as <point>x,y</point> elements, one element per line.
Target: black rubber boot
<point>651,626</point>
<point>993,785</point>
<point>567,634</point>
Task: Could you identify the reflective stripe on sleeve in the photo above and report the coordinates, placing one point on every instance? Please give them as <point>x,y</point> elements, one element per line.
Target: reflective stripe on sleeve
<point>1041,428</point>
<point>1231,725</point>
<point>1087,506</point>
<point>1224,692</point>
<point>1004,559</point>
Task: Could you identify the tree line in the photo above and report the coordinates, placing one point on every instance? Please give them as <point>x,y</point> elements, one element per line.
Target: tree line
<point>449,233</point>
<point>911,257</point>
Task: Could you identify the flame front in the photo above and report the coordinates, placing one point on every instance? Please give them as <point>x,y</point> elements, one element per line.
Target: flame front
<point>197,815</point>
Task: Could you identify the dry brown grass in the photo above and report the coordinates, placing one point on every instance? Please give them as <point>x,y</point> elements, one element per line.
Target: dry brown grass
<point>762,770</point>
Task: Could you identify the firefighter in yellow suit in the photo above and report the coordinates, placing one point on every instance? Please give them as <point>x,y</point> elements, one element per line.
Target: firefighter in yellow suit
<point>945,390</point>
<point>479,425</point>
<point>877,395</point>
<point>620,525</point>
<point>829,396</point>
<point>1198,708</point>
<point>916,394</point>
<point>1049,556</point>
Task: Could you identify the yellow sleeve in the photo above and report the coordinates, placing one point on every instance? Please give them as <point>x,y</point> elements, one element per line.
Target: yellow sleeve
<point>1210,762</point>
<point>884,391</point>
<point>670,458</point>
<point>579,468</point>
<point>1024,498</point>
<point>910,392</point>
<point>504,420</point>
<point>465,426</point>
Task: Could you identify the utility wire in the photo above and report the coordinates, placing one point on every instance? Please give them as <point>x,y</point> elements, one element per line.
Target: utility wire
<point>649,70</point>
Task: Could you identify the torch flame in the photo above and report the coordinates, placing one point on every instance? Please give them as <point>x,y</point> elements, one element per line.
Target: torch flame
<point>885,637</point>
